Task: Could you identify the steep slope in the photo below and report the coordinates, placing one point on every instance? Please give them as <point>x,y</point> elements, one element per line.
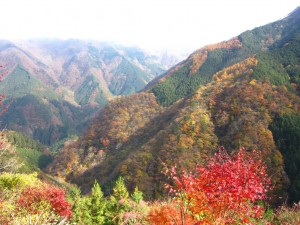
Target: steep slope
<point>235,93</point>
<point>183,134</point>
<point>54,87</point>
<point>29,156</point>
<point>199,68</point>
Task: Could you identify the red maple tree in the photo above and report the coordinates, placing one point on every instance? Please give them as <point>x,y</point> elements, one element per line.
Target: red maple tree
<point>224,191</point>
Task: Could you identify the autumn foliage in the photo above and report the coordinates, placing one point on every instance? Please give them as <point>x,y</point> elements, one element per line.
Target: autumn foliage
<point>169,214</point>
<point>32,197</point>
<point>200,56</point>
<point>24,199</point>
<point>224,191</point>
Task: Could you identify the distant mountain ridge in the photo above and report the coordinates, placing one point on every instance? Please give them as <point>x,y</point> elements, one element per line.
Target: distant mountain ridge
<point>55,86</point>
<point>241,92</point>
<point>201,65</point>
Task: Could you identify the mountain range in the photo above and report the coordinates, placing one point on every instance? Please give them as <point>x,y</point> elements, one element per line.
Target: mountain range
<point>54,87</point>
<point>243,92</point>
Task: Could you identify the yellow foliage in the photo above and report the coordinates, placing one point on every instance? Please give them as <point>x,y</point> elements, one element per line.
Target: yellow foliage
<point>18,181</point>
<point>253,82</point>
<point>243,67</point>
<point>185,141</point>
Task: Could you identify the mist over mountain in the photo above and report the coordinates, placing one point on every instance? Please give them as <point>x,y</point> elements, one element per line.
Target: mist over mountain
<point>150,112</point>
<point>240,92</point>
<point>53,87</point>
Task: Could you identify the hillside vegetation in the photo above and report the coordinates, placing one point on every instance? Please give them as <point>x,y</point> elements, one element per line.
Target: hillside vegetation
<point>238,93</point>
<point>213,141</point>
<point>53,87</point>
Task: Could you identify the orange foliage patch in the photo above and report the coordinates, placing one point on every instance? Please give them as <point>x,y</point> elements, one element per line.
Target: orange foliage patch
<point>200,56</point>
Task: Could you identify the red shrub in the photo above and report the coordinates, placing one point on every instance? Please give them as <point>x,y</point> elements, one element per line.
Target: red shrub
<point>225,189</point>
<point>32,198</point>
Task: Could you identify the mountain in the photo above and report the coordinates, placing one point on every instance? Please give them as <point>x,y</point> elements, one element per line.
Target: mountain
<point>241,92</point>
<point>54,87</point>
<point>22,154</point>
<point>199,68</point>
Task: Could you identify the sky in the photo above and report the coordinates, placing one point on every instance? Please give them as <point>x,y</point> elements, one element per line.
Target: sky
<point>181,25</point>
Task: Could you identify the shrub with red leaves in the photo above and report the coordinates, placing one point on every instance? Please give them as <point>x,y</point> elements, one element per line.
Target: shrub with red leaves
<point>32,198</point>
<point>225,190</point>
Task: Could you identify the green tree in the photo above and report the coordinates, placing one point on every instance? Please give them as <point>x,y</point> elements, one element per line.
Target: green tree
<point>137,195</point>
<point>119,202</point>
<point>286,133</point>
<point>98,205</point>
<point>80,207</point>
<point>89,209</point>
<point>81,210</point>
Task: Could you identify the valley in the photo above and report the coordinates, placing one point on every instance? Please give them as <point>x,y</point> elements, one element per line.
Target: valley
<point>54,87</point>
<point>229,94</point>
<point>120,136</point>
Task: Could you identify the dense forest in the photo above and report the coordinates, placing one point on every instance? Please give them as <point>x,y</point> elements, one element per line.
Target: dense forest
<point>214,140</point>
<point>55,87</point>
<point>230,94</point>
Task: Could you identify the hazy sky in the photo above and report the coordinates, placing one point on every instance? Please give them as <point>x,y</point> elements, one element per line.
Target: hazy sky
<point>152,24</point>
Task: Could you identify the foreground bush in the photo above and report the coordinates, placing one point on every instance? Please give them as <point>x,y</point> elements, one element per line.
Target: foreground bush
<point>229,189</point>
<point>224,191</point>
<point>24,199</point>
<point>117,209</point>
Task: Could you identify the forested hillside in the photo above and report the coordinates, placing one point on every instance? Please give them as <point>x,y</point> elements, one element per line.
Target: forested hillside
<point>215,140</point>
<point>198,69</point>
<point>238,93</point>
<point>54,87</point>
